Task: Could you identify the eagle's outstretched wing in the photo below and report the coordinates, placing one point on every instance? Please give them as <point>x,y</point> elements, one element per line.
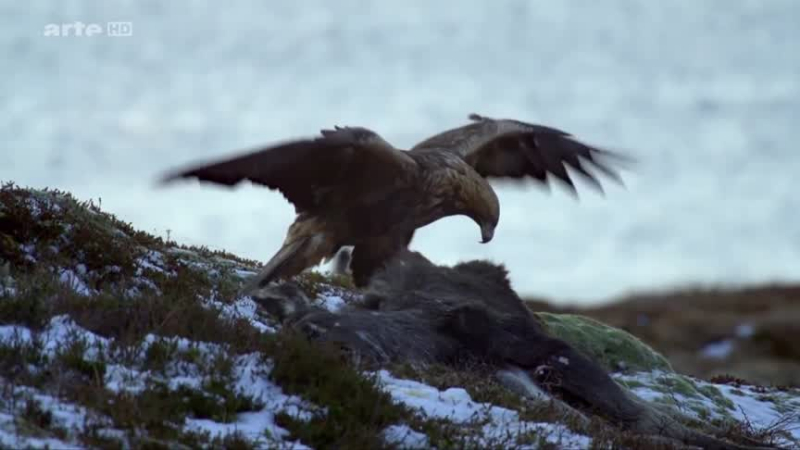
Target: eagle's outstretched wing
<point>345,163</point>
<point>505,148</point>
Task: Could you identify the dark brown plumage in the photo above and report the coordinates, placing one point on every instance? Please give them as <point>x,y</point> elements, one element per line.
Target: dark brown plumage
<point>352,188</point>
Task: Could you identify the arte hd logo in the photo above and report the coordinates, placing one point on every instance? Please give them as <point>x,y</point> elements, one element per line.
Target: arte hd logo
<point>90,29</point>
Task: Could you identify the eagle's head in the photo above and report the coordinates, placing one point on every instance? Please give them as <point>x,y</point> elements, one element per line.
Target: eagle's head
<point>463,191</point>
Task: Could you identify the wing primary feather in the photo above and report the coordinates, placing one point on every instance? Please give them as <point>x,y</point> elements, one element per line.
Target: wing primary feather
<point>607,171</point>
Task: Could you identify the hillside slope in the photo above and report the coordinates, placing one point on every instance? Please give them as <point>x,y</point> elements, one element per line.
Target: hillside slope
<point>114,338</point>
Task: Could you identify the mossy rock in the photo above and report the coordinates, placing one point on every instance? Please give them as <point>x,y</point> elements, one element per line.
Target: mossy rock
<point>638,367</point>
<point>615,349</point>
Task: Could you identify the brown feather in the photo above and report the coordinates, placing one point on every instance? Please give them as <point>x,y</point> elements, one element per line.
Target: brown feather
<point>505,148</point>
<point>345,162</point>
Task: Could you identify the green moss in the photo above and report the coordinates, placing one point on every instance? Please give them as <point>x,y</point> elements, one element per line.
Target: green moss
<point>679,385</point>
<point>702,412</point>
<point>631,384</point>
<point>615,349</point>
<point>713,393</point>
<point>767,398</point>
<point>682,392</point>
<point>783,406</point>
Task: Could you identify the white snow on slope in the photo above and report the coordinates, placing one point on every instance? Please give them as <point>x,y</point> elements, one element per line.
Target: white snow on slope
<point>250,372</point>
<point>495,424</point>
<point>247,309</point>
<point>10,438</point>
<point>758,407</point>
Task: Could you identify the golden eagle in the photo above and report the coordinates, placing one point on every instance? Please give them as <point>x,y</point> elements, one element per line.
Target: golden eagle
<point>352,188</point>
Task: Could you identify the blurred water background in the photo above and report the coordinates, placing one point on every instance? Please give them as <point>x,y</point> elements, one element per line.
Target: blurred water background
<point>706,94</point>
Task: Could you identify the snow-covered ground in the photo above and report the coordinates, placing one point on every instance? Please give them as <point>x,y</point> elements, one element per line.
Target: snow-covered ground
<point>706,94</point>
<point>757,407</point>
<point>250,372</point>
<point>494,423</point>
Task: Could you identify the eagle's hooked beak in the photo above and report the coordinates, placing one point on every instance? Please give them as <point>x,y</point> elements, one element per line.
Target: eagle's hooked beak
<point>487,233</point>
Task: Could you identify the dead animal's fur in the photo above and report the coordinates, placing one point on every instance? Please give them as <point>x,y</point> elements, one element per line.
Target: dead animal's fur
<point>416,311</point>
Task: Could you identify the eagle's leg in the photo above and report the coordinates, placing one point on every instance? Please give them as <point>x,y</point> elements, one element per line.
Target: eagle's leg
<point>370,255</point>
<point>306,245</point>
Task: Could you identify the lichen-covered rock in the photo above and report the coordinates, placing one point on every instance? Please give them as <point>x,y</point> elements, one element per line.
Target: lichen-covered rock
<point>615,349</point>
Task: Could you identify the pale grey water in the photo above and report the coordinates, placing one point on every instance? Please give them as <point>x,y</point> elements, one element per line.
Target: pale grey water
<point>705,93</point>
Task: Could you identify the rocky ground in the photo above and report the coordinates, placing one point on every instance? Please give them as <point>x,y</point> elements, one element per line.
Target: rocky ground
<point>114,338</point>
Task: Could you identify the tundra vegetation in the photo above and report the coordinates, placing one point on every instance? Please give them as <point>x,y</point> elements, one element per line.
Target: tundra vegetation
<point>111,337</point>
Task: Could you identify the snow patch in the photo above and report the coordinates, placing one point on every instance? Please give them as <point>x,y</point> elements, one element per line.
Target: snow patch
<point>405,437</point>
<point>62,330</point>
<point>495,424</point>
<point>29,251</point>
<point>244,308</point>
<point>74,282</point>
<point>251,374</point>
<point>15,334</point>
<point>759,411</point>
<point>331,301</point>
<point>8,291</point>
<point>250,378</point>
<point>10,438</point>
<point>152,260</point>
<point>68,416</point>
<point>119,378</point>
<point>750,404</point>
